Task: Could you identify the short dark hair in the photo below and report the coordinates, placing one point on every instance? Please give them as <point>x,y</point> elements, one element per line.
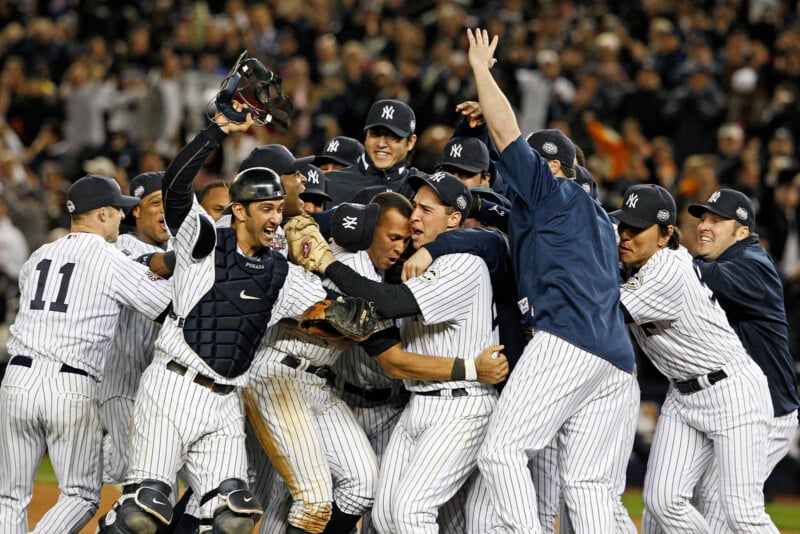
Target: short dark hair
<point>213,184</point>
<point>391,200</point>
<point>675,239</point>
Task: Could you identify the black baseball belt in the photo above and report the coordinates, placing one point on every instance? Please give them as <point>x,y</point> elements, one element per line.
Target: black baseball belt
<point>693,385</point>
<point>201,380</point>
<point>26,361</point>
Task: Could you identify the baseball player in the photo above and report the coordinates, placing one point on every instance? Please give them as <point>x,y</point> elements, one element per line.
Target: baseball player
<point>747,286</point>
<point>339,152</point>
<point>136,334</point>
<point>215,198</point>
<point>71,293</point>
<point>389,139</point>
<point>488,245</point>
<point>571,379</point>
<point>309,430</point>
<point>432,450</point>
<point>314,195</point>
<point>717,407</point>
<point>228,285</point>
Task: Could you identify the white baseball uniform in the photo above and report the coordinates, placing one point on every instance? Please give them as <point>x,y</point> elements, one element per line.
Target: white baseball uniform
<point>185,411</point>
<point>433,449</point>
<point>683,330</point>
<point>134,343</point>
<point>309,433</point>
<point>72,291</point>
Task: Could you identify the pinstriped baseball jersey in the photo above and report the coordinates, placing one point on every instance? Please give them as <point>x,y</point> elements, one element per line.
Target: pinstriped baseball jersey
<point>80,283</point>
<point>355,365</point>
<point>455,298</point>
<point>71,294</point>
<point>679,324</point>
<point>134,339</point>
<point>193,278</point>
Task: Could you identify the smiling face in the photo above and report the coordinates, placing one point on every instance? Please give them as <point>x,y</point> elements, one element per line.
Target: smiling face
<point>389,240</point>
<point>293,184</point>
<point>255,224</point>
<point>715,234</point>
<point>430,217</point>
<point>385,148</point>
<point>637,245</point>
<point>149,215</point>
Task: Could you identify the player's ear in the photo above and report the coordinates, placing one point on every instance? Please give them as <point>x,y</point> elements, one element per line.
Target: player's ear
<point>454,219</point>
<point>239,211</point>
<point>742,232</point>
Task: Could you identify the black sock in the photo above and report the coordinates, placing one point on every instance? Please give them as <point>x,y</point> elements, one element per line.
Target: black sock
<point>340,522</point>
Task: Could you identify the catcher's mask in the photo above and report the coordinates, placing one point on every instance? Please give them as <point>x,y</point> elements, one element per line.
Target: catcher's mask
<point>259,90</point>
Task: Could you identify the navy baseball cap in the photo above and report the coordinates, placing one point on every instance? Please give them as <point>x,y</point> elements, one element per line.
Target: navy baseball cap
<point>143,185</point>
<point>468,154</point>
<point>645,205</point>
<point>365,195</point>
<point>342,150</point>
<point>395,115</point>
<point>584,179</point>
<point>275,157</point>
<point>353,225</point>
<point>93,191</point>
<point>728,204</point>
<point>553,144</point>
<point>316,183</point>
<point>451,190</point>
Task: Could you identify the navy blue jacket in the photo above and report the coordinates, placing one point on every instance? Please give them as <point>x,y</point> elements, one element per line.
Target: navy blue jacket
<point>747,286</point>
<point>565,258</point>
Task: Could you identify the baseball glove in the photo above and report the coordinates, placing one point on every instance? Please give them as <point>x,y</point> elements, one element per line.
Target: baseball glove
<point>346,317</point>
<point>306,244</point>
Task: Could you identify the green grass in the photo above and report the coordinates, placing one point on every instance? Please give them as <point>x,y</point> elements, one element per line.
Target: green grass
<point>786,516</point>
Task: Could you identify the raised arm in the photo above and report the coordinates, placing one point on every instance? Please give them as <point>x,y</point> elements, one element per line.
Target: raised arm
<point>497,110</point>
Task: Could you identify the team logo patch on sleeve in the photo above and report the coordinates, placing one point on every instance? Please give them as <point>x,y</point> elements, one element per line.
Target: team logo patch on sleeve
<point>634,282</point>
<point>430,276</point>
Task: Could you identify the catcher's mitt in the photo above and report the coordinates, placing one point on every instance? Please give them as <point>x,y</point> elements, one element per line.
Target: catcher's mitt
<point>345,317</point>
<point>306,244</point>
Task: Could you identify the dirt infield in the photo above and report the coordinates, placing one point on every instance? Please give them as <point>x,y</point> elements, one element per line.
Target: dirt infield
<point>45,496</point>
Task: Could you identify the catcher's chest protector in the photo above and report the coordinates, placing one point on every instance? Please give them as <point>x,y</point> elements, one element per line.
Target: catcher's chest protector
<point>227,324</point>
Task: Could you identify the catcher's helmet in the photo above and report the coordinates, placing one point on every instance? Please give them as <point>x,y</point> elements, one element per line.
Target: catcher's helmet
<point>256,183</point>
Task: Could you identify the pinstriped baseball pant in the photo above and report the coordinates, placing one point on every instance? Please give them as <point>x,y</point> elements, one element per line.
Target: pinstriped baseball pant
<point>556,389</point>
<point>42,408</point>
<point>726,423</point>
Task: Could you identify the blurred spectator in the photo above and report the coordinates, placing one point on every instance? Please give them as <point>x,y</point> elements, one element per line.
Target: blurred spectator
<point>544,92</point>
<point>694,111</point>
<point>13,253</point>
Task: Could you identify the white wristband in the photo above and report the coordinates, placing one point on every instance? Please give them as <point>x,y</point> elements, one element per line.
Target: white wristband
<point>470,370</point>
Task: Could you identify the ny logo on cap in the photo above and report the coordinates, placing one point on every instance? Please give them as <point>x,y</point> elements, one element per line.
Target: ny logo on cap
<point>333,146</point>
<point>455,151</point>
<point>387,113</point>
<point>313,177</point>
<point>437,177</point>
<point>350,223</point>
<point>714,197</point>
<point>632,200</point>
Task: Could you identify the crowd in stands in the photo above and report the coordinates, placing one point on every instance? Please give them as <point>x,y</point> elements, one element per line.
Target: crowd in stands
<point>690,94</point>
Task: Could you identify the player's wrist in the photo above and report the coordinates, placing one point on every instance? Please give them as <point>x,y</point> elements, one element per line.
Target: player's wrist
<point>464,370</point>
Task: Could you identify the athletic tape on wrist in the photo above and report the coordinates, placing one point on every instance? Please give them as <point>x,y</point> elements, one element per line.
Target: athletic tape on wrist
<point>470,370</point>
